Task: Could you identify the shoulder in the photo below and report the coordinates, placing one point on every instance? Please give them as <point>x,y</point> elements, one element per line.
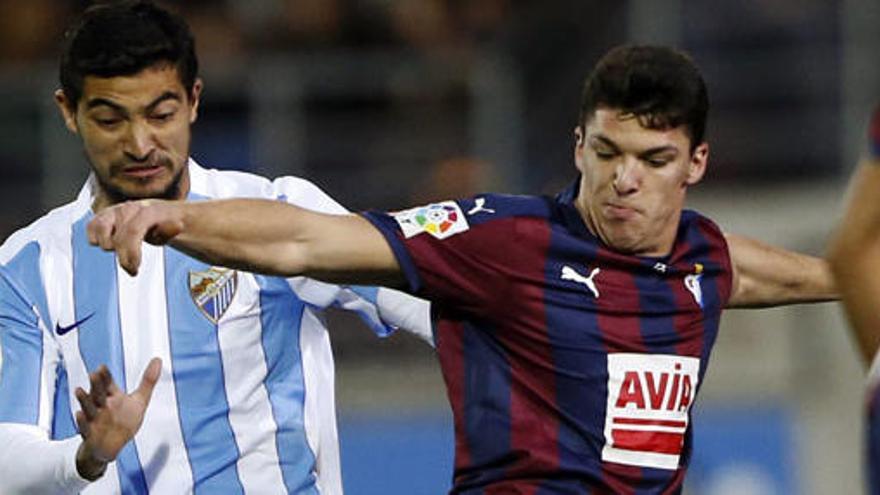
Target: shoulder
<point>698,227</point>
<point>492,207</point>
<point>52,230</point>
<point>225,184</point>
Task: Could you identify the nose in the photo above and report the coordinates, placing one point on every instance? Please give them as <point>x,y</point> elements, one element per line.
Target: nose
<point>627,176</point>
<point>139,142</point>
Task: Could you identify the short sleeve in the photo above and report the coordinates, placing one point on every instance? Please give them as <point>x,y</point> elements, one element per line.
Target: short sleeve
<point>448,258</point>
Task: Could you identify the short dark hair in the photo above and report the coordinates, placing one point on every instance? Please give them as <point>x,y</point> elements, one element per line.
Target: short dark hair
<point>660,86</point>
<point>123,38</point>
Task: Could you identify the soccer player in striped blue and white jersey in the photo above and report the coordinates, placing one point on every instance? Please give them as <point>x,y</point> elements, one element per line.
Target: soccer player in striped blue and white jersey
<point>190,378</point>
<point>855,259</point>
<point>574,332</point>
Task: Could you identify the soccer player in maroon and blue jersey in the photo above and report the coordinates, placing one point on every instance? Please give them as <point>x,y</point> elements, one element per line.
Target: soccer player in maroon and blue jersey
<point>573,332</point>
<point>855,258</point>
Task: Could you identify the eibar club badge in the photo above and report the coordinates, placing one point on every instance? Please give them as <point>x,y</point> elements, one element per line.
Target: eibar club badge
<point>213,290</point>
<point>692,283</point>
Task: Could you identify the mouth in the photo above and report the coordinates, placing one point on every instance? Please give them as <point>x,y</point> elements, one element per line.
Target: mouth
<point>143,171</point>
<point>617,211</point>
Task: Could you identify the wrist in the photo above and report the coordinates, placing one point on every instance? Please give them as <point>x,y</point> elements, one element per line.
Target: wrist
<point>87,465</point>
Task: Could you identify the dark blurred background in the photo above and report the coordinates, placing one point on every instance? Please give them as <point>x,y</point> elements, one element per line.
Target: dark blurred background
<point>388,103</point>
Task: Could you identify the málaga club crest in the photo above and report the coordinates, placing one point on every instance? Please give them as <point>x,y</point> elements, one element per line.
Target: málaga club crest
<point>212,291</point>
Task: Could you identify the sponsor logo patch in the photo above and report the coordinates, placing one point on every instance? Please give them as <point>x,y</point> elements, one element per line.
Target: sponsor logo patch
<point>648,410</point>
<point>441,220</point>
<point>213,290</point>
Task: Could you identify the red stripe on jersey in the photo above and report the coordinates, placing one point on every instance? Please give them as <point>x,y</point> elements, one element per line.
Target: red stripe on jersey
<point>534,436</point>
<point>720,255</point>
<point>451,336</point>
<point>661,442</point>
<point>621,332</point>
<point>620,479</point>
<point>650,422</point>
<point>620,328</point>
<point>517,487</point>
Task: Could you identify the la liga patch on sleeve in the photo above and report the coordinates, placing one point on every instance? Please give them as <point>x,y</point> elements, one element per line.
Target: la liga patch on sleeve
<point>441,220</point>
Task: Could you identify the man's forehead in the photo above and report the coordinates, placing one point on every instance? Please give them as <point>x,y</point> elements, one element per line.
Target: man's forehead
<point>627,128</point>
<point>137,90</point>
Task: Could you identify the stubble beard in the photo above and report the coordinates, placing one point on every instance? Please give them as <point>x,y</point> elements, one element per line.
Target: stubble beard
<point>117,194</point>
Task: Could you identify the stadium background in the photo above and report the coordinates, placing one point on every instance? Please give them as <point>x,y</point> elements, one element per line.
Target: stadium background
<point>388,103</point>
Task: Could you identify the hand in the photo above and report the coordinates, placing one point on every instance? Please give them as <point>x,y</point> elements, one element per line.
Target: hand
<point>109,418</point>
<point>123,227</point>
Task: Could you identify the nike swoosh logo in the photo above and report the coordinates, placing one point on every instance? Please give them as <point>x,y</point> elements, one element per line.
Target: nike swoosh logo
<point>63,330</point>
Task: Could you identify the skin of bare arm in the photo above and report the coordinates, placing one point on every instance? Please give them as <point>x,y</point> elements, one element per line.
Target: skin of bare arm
<point>854,254</point>
<point>765,275</point>
<point>260,236</point>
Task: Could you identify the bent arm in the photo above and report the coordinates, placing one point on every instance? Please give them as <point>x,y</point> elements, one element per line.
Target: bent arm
<point>855,257</point>
<point>765,275</point>
<point>31,463</point>
<point>255,235</point>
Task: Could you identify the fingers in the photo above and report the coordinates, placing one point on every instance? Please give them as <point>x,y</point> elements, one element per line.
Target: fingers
<point>86,404</point>
<point>123,228</point>
<point>149,380</point>
<point>82,424</point>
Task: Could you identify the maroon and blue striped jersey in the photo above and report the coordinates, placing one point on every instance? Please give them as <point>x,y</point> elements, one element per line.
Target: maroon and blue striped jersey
<point>570,368</point>
<point>872,442</point>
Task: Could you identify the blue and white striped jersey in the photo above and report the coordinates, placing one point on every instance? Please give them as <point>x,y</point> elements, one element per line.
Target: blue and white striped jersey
<point>245,402</point>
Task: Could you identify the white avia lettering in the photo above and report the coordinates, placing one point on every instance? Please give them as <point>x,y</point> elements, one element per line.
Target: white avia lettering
<point>647,390</point>
<point>648,408</point>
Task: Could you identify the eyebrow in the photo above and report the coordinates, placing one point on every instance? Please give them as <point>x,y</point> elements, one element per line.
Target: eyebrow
<point>650,151</point>
<point>98,102</point>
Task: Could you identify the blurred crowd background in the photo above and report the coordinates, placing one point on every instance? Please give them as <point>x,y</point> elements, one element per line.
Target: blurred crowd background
<point>389,103</point>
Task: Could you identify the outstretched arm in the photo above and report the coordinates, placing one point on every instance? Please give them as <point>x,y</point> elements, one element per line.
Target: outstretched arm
<point>254,235</point>
<point>855,250</point>
<point>764,275</point>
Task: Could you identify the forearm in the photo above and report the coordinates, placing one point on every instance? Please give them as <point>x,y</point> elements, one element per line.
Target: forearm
<point>768,276</point>
<point>31,463</point>
<point>276,238</point>
<point>252,235</point>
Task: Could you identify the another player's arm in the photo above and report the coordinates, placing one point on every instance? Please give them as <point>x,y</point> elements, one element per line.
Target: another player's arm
<point>855,250</point>
<point>765,275</point>
<point>255,235</point>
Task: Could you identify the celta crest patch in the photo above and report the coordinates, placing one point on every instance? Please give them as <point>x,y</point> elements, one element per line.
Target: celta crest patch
<point>213,290</point>
<point>441,220</point>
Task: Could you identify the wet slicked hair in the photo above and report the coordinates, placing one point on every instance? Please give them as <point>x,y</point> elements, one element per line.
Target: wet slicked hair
<point>660,86</point>
<point>123,38</point>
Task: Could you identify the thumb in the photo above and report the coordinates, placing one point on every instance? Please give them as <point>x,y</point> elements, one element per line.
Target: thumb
<point>148,381</point>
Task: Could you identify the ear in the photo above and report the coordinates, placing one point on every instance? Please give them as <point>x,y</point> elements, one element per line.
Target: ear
<point>195,96</point>
<point>579,142</point>
<point>68,113</point>
<point>697,167</point>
